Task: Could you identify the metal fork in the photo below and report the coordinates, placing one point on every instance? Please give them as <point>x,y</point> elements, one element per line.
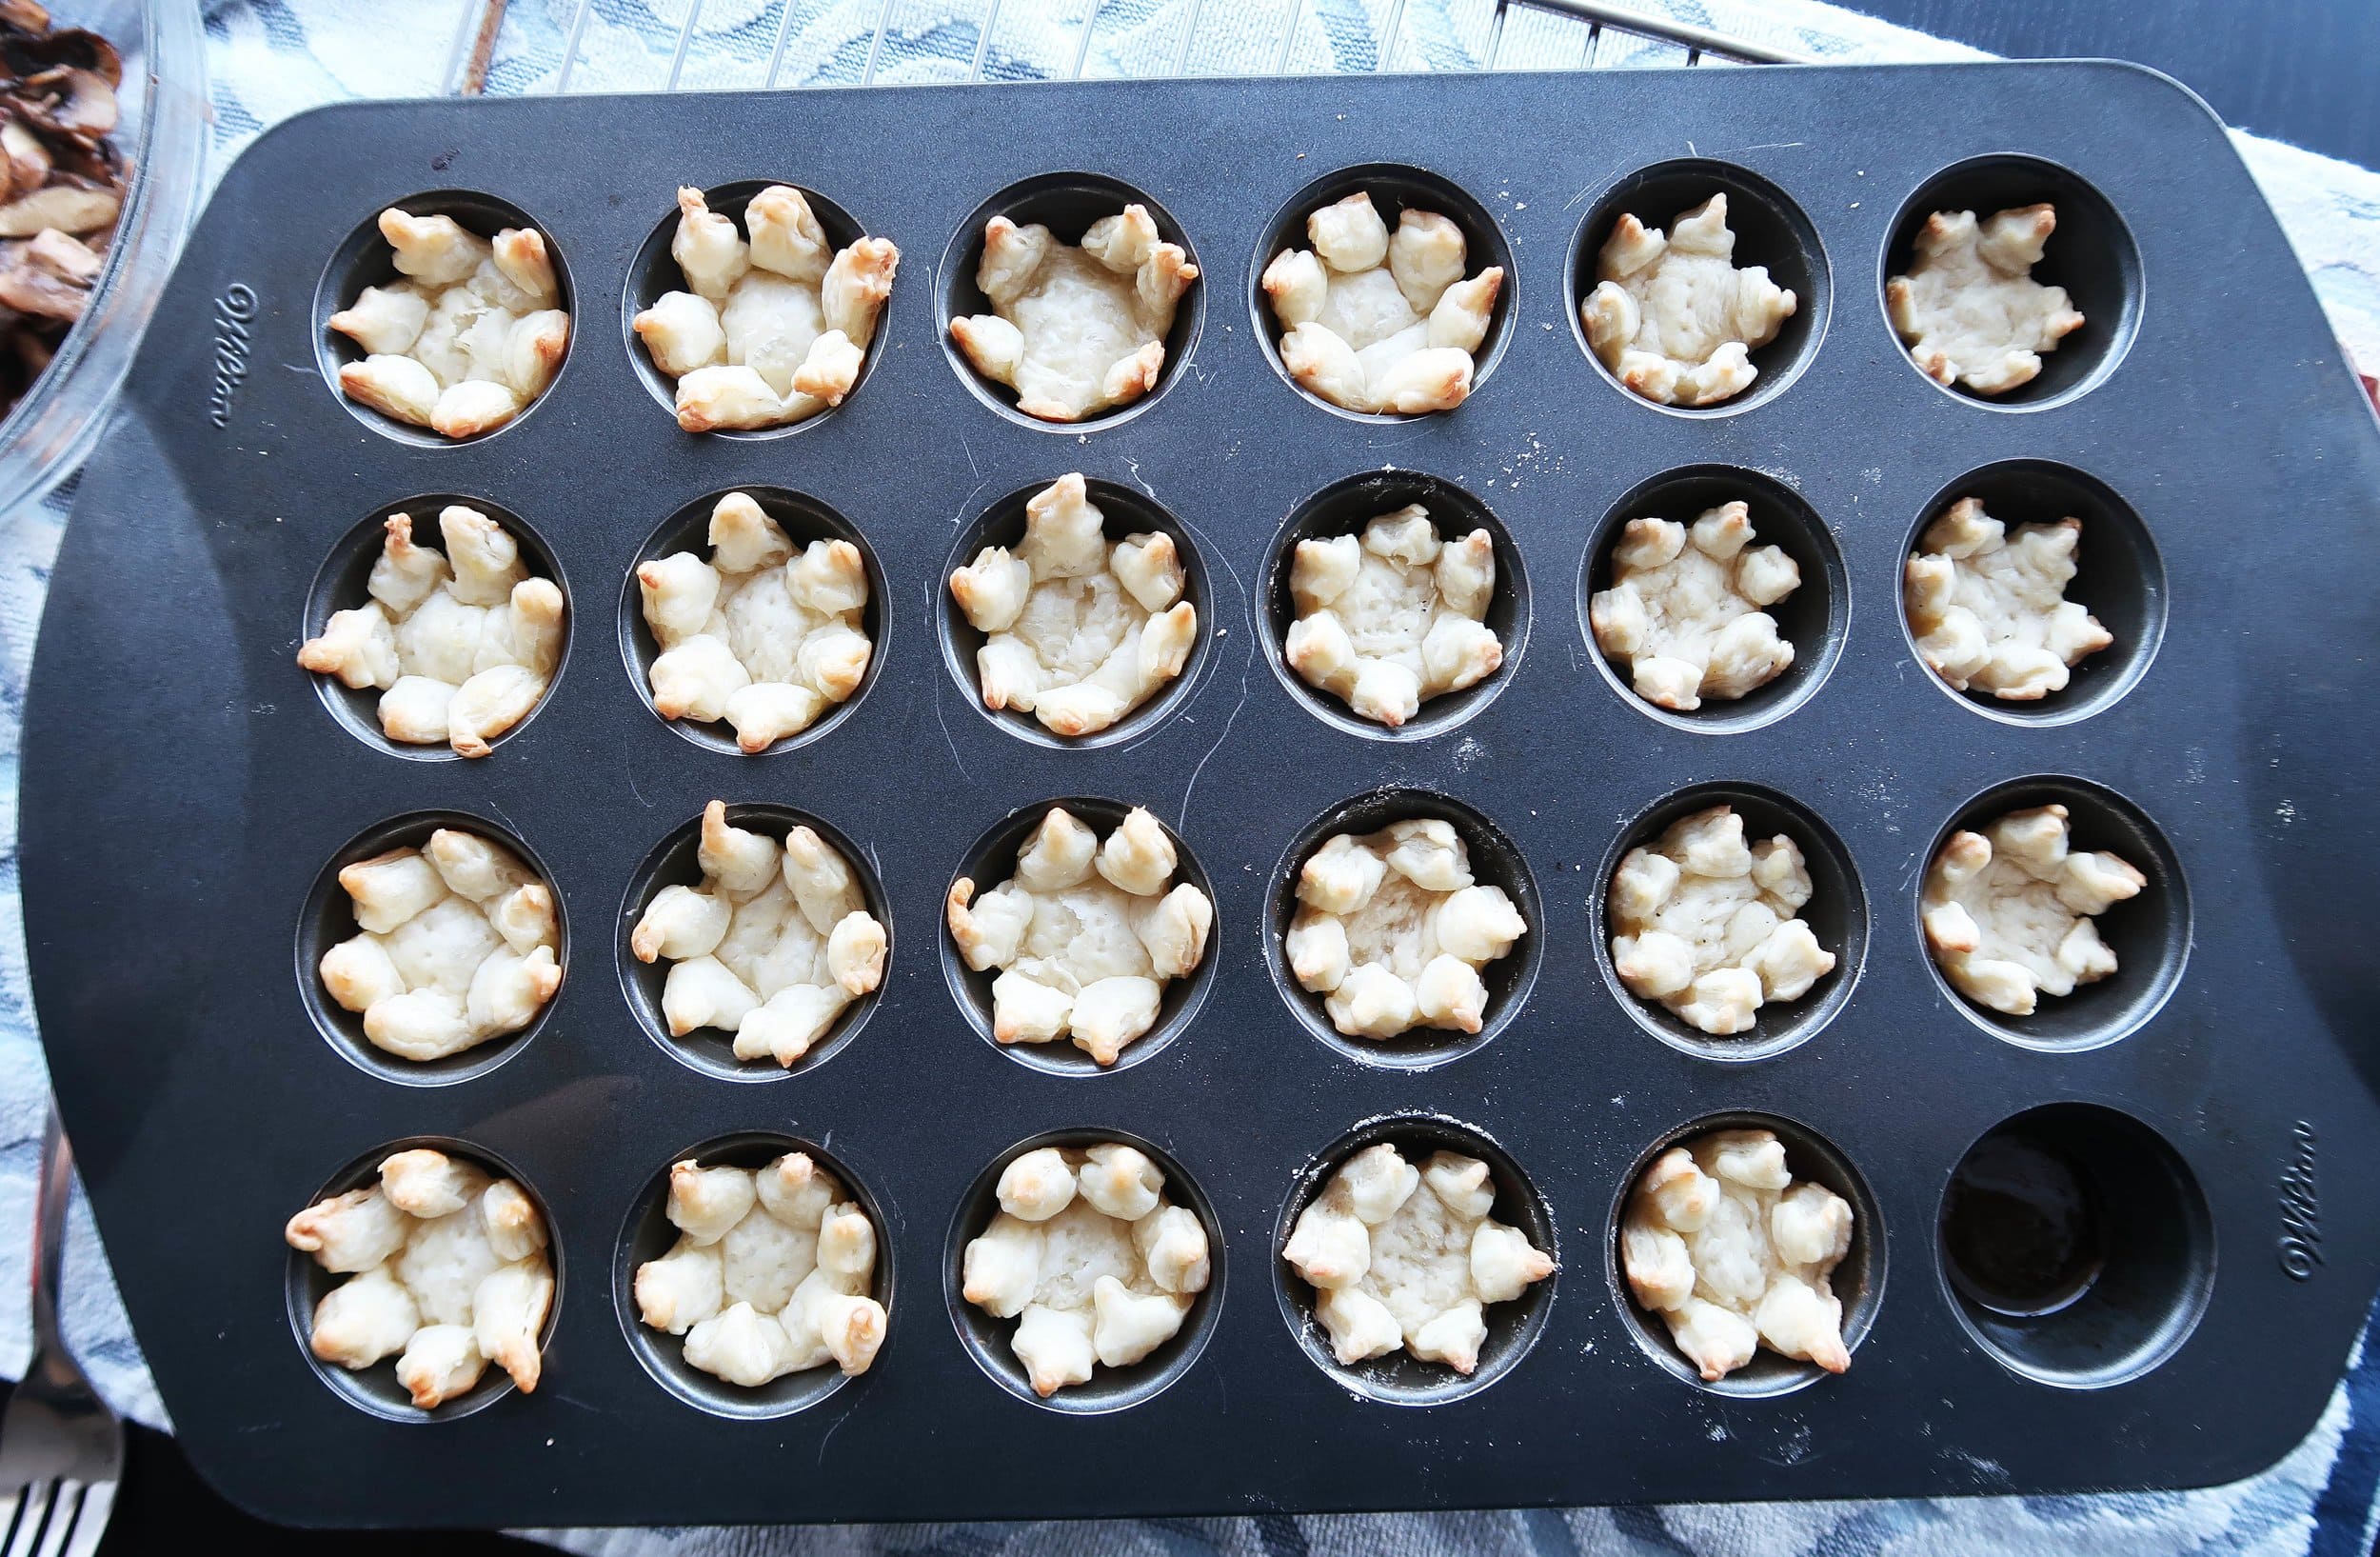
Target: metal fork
<point>61,1447</point>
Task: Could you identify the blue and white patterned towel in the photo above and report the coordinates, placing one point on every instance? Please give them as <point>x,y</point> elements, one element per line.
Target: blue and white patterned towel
<point>269,59</point>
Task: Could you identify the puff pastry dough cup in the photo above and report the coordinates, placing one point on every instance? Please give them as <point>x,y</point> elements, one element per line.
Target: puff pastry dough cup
<point>1076,613</point>
<point>451,317</point>
<point>758,307</point>
<point>753,941</point>
<point>1404,929</point>
<point>1079,936</point>
<point>1714,598</point>
<point>1069,300</point>
<point>431,948</point>
<point>1720,920</point>
<point>1698,286</point>
<point>1389,663</point>
<point>2012,281</point>
<point>774,1227</point>
<point>773,607</point>
<point>2032,592</point>
<point>2054,912</point>
<point>1379,290</point>
<point>1086,1270</point>
<point>424,1280</point>
<point>1834,1225</point>
<point>397,633</point>
<point>1436,1256</point>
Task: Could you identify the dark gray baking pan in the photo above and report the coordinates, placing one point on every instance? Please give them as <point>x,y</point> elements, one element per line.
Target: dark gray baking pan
<point>185,788</point>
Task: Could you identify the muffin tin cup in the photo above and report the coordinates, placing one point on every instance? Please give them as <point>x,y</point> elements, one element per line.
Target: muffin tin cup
<point>1108,1390</point>
<point>1836,914</point>
<point>648,1234</point>
<point>805,520</point>
<point>1496,861</point>
<point>993,860</point>
<point>183,793</point>
<point>329,918</point>
<point>364,259</point>
<point>673,863</point>
<point>1857,1281</point>
<point>1344,507</point>
<point>654,271</point>
<point>2118,578</point>
<point>375,1389</point>
<point>1513,1328</point>
<point>344,583</point>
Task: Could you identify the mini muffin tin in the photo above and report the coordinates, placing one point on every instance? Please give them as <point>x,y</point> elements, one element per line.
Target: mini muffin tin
<point>186,787</point>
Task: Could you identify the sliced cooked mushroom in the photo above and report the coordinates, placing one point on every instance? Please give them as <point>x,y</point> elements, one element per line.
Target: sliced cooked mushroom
<point>30,286</point>
<point>29,161</point>
<point>61,205</point>
<point>62,183</point>
<point>68,100</point>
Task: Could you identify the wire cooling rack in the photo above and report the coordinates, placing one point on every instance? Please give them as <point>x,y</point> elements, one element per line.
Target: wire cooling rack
<point>1578,32</point>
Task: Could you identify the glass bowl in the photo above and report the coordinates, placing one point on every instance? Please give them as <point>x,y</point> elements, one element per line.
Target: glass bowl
<point>162,130</point>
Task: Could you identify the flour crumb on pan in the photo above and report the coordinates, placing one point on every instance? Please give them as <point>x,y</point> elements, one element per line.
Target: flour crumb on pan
<point>1969,310</point>
<point>1407,1258</point>
<point>1988,606</point>
<point>446,1269</point>
<point>1376,321</point>
<point>1079,631</point>
<point>1687,613</point>
<point>470,333</point>
<point>770,1273</point>
<point>1710,927</point>
<point>461,645</point>
<point>773,329</point>
<point>772,945</point>
<point>1393,618</point>
<point>1674,317</point>
<point>2008,912</point>
<point>1086,1254</point>
<point>1085,934</point>
<point>1075,331</point>
<point>1733,1254</point>
<point>456,943</point>
<point>1392,930</point>
<point>765,635</point>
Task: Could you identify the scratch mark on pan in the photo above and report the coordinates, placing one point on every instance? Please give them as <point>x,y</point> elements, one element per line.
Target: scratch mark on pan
<point>1190,788</point>
<point>636,791</point>
<point>958,762</point>
<point>973,469</point>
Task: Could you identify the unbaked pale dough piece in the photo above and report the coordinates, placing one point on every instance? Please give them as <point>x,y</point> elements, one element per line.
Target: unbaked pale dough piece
<point>769,1276</point>
<point>774,330</point>
<point>1969,309</point>
<point>1077,632</point>
<point>1075,331</point>
<point>1096,1266</point>
<point>445,1271</point>
<point>1376,323</point>
<point>1408,1258</point>
<point>456,943</point>
<point>1989,608</point>
<point>471,334</point>
<point>1686,610</point>
<point>2008,911</point>
<point>1394,618</point>
<point>1673,318</point>
<point>762,635</point>
<point>1707,927</point>
<point>771,946</point>
<point>462,646</point>
<point>1392,931</point>
<point>1734,1255</point>
<point>1085,934</point>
